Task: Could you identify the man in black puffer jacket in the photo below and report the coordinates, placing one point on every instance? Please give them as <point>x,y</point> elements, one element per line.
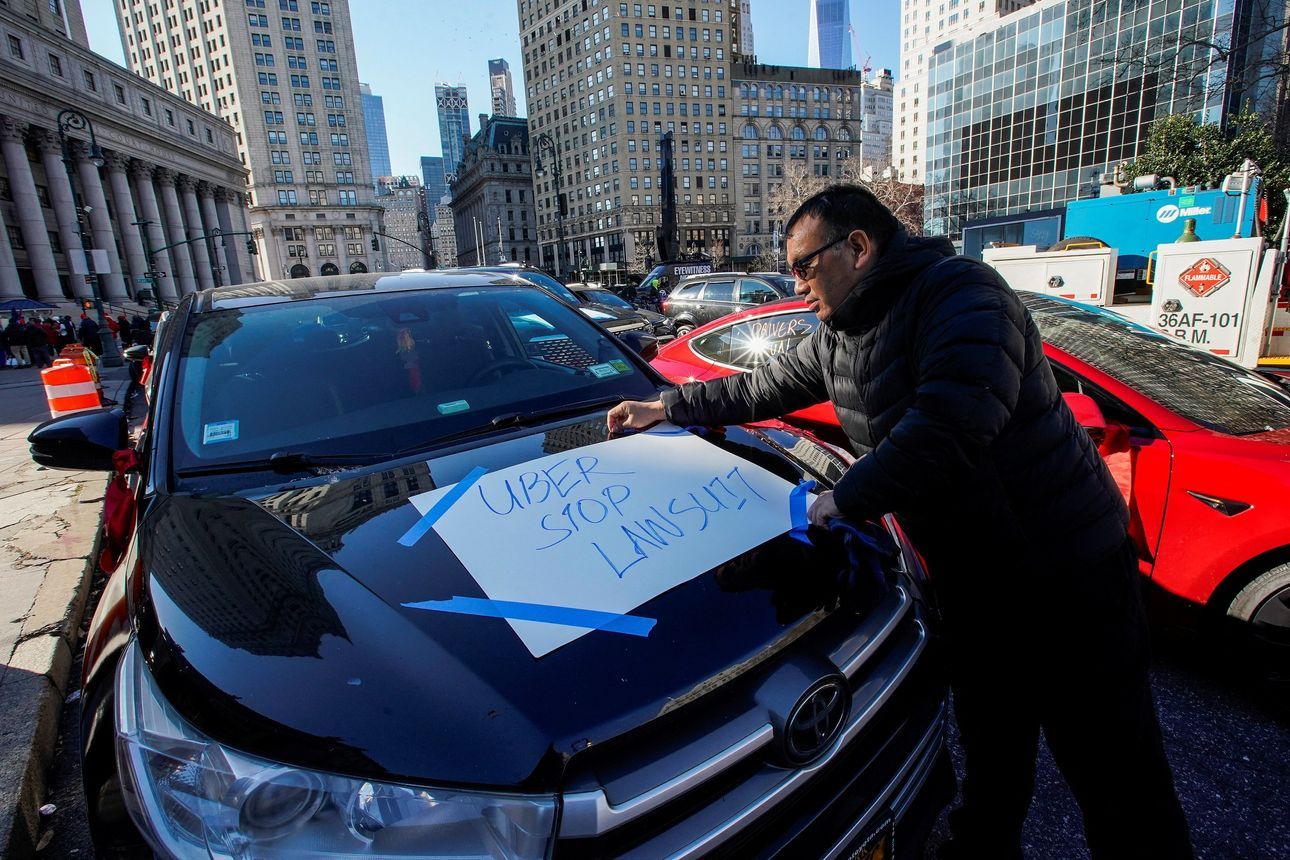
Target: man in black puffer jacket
<point>939,379</point>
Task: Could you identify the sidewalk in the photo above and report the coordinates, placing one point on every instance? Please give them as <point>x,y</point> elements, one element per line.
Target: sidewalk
<point>49,522</point>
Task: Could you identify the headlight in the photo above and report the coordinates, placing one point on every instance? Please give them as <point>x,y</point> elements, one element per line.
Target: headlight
<point>192,797</point>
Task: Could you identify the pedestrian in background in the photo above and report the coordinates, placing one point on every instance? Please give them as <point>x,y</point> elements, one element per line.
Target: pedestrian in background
<point>89,335</point>
<point>37,344</point>
<point>939,379</point>
<point>16,339</point>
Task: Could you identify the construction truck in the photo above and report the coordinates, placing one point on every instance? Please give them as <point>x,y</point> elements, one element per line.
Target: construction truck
<point>1188,262</point>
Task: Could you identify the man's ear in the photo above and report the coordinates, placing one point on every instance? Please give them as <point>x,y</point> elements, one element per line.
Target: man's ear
<point>865,248</point>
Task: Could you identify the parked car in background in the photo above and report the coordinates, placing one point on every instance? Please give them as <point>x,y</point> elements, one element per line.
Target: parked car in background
<point>597,296</point>
<point>615,321</point>
<point>786,282</point>
<point>701,299</point>
<point>1199,446</point>
<point>297,657</point>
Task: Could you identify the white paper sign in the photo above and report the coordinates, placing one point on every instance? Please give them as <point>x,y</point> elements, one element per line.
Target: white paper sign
<point>609,526</point>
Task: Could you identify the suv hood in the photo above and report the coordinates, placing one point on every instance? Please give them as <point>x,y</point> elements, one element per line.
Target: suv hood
<point>276,624</point>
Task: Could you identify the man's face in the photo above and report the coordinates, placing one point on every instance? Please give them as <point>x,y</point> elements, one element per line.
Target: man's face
<point>832,274</point>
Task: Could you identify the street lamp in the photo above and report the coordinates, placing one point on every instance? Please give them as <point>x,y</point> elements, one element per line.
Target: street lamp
<point>545,142</point>
<point>423,230</point>
<point>76,121</point>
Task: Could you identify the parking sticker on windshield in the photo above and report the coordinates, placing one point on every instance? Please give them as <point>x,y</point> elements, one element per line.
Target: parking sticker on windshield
<point>602,371</point>
<point>219,431</point>
<point>453,406</point>
<point>603,528</point>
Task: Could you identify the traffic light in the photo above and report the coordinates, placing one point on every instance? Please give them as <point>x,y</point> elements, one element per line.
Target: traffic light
<point>250,247</point>
<point>376,246</point>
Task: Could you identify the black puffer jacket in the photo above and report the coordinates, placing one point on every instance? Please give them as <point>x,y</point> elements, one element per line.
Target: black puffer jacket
<point>939,379</point>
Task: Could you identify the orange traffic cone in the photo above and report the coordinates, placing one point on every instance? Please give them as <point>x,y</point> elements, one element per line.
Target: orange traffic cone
<point>69,388</point>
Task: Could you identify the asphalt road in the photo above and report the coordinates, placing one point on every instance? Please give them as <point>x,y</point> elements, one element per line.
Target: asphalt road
<point>1226,733</point>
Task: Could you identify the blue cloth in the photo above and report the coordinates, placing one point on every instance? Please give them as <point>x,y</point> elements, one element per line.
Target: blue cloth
<point>864,553</point>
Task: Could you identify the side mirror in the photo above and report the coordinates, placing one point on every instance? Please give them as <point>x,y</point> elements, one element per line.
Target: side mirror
<point>138,352</point>
<point>1087,412</point>
<point>644,345</point>
<point>83,441</point>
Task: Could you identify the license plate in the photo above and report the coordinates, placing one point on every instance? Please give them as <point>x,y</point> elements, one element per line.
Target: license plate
<point>879,845</point>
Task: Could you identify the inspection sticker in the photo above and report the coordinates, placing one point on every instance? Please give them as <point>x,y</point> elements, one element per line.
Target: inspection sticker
<point>602,371</point>
<point>607,527</point>
<point>219,431</point>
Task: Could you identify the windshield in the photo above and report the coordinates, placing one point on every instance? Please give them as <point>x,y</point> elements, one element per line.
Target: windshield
<point>604,297</point>
<point>549,283</point>
<point>1200,387</point>
<point>360,374</point>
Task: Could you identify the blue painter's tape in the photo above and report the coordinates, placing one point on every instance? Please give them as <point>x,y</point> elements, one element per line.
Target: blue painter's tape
<point>446,501</point>
<point>612,622</point>
<point>797,511</point>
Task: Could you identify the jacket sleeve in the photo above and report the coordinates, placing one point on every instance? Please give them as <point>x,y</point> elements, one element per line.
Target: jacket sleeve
<point>793,380</point>
<point>969,347</point>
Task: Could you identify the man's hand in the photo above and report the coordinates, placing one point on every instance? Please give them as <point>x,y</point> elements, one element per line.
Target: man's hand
<point>634,415</point>
<point>823,509</point>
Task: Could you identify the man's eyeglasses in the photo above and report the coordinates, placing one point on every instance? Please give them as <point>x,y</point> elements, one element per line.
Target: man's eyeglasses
<point>804,266</point>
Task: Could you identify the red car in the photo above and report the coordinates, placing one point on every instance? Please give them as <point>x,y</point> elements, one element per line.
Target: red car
<point>1199,446</point>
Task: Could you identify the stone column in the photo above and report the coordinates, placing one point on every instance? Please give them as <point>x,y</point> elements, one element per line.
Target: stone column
<point>183,273</point>
<point>136,262</point>
<point>141,173</point>
<point>235,249</point>
<point>111,282</point>
<point>31,215</point>
<point>193,221</point>
<point>206,199</point>
<point>10,286</point>
<point>65,210</point>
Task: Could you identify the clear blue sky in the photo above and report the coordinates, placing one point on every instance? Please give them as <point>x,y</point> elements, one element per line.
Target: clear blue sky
<point>406,46</point>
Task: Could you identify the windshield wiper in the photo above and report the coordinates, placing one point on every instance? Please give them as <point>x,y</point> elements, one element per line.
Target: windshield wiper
<point>519,419</point>
<point>286,462</point>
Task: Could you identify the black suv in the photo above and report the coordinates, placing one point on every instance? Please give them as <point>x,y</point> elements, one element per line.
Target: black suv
<point>615,320</point>
<point>701,299</point>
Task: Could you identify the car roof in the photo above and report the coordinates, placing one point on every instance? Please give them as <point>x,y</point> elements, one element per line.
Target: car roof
<point>296,289</point>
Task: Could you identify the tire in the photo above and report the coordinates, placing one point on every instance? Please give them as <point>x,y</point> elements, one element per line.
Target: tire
<point>1263,606</point>
<point>682,329</point>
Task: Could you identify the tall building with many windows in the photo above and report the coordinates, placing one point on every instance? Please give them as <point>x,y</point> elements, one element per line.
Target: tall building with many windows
<point>499,84</point>
<point>454,124</point>
<point>434,181</point>
<point>285,76</point>
<point>1029,111</point>
<point>404,238</point>
<point>378,142</point>
<point>603,83</point>
<point>925,24</point>
<point>829,39</point>
<point>815,119</point>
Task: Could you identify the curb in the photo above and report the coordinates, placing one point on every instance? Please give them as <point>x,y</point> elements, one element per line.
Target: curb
<point>32,695</point>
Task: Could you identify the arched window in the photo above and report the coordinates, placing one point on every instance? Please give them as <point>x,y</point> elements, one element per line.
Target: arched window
<point>774,133</point>
<point>779,93</point>
<point>844,133</point>
<point>329,269</point>
<point>821,133</point>
<point>299,270</point>
<point>357,267</point>
<point>750,132</point>
<point>798,133</point>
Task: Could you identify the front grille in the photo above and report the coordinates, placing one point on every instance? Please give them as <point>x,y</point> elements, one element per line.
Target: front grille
<point>727,794</point>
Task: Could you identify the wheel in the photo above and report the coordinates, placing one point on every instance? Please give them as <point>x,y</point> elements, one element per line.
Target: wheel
<point>499,369</point>
<point>682,329</point>
<point>1264,605</point>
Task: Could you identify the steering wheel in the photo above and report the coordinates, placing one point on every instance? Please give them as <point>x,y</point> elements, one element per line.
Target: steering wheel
<point>499,369</point>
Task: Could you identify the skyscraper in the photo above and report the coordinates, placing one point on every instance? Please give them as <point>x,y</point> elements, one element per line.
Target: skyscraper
<point>295,110</point>
<point>454,124</point>
<point>432,179</point>
<point>378,143</point>
<point>499,82</point>
<point>746,29</point>
<point>829,40</point>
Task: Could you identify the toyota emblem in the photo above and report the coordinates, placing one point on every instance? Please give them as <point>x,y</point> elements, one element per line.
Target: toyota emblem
<point>816,720</point>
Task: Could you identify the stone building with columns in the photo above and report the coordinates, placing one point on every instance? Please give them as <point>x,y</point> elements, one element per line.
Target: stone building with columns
<point>170,173</point>
<point>492,195</point>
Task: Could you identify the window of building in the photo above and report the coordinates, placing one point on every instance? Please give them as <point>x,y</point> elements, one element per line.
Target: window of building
<point>55,66</point>
<point>91,83</point>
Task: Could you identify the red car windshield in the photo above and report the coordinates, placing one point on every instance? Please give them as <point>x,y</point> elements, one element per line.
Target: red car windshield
<point>1208,390</point>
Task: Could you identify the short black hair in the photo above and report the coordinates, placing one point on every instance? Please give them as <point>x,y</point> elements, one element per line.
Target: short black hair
<point>848,207</point>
